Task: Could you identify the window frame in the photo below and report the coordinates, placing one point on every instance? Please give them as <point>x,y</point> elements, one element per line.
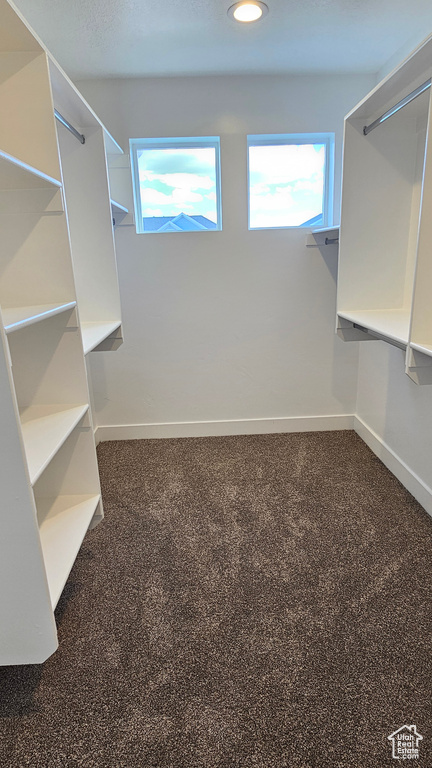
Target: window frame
<point>328,139</point>
<point>195,142</point>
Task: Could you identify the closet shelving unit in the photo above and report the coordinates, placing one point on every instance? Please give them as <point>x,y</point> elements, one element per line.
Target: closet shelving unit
<point>385,263</point>
<point>118,212</point>
<point>419,352</point>
<point>49,483</point>
<point>85,167</point>
<point>323,236</point>
<point>120,179</point>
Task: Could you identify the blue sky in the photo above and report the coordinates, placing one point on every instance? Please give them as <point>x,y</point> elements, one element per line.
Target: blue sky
<point>173,181</point>
<point>287,182</point>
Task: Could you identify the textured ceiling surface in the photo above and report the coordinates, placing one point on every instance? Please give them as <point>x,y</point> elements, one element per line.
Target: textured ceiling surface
<point>133,38</point>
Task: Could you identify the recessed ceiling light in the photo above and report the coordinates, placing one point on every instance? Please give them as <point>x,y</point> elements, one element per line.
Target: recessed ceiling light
<point>247,11</point>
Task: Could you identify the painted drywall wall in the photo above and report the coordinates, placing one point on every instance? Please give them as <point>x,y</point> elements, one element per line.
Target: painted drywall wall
<point>232,324</point>
<point>402,53</point>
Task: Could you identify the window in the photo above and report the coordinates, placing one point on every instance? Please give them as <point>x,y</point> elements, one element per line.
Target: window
<point>290,180</point>
<point>176,184</point>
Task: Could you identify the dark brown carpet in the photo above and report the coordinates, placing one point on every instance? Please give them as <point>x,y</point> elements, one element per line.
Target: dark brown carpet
<point>249,602</point>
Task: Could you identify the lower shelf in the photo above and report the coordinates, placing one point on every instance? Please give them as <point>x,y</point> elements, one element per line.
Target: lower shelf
<point>63,523</point>
<point>425,349</point>
<point>44,430</point>
<point>392,324</point>
<point>94,334</point>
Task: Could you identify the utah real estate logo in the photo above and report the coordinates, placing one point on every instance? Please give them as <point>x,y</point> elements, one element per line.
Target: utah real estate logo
<point>405,743</point>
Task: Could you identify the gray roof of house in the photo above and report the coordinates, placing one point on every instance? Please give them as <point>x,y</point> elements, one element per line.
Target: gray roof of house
<point>316,220</point>
<point>156,223</point>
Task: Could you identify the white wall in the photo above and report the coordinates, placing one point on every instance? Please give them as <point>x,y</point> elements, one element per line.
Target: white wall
<point>402,53</point>
<point>232,324</point>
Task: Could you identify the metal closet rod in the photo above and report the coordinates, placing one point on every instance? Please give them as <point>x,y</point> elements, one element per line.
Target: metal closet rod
<point>402,103</point>
<point>67,124</point>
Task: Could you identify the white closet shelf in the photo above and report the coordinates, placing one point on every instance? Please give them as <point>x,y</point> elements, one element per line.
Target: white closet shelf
<point>319,236</point>
<point>15,318</point>
<point>426,349</point>
<point>94,333</point>
<point>44,430</point>
<point>327,230</point>
<point>391,323</point>
<point>118,212</point>
<point>15,174</point>
<point>63,523</point>
<point>118,208</point>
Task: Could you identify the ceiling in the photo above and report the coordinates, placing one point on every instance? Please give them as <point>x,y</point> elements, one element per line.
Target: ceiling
<point>135,38</point>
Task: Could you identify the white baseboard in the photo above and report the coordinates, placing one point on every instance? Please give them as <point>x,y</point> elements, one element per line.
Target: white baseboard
<point>224,428</point>
<point>396,465</point>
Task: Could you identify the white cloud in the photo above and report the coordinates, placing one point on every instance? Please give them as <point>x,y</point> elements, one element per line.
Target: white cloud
<point>152,212</point>
<point>152,196</point>
<point>285,163</point>
<point>282,209</point>
<point>186,196</point>
<point>189,181</point>
<point>260,189</point>
<point>313,186</point>
<point>286,184</point>
<point>171,193</point>
<point>210,215</point>
<point>175,180</point>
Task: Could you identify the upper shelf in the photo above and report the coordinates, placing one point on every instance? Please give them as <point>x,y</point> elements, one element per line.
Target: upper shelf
<point>69,101</point>
<point>14,32</point>
<point>118,208</point>
<point>425,349</point>
<point>15,318</point>
<point>392,324</point>
<point>409,74</point>
<point>323,236</point>
<point>15,174</point>
<point>118,212</point>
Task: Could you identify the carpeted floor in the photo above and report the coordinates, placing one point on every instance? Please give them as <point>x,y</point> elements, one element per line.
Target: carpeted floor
<point>248,602</point>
